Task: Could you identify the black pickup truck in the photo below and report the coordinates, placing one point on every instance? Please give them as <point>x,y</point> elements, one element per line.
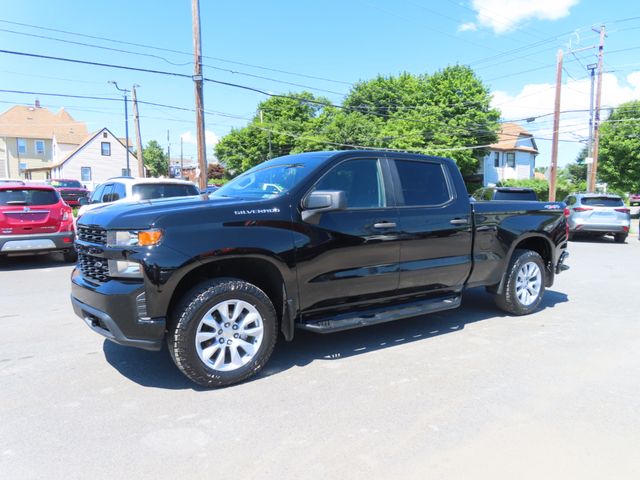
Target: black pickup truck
<point>321,241</point>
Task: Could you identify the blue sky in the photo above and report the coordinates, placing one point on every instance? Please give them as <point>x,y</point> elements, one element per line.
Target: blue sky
<point>328,45</point>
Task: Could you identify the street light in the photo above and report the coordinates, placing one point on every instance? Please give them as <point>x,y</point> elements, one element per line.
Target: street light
<point>126,121</point>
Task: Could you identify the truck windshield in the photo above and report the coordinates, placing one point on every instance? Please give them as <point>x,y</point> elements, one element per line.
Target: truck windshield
<point>65,184</point>
<point>266,182</point>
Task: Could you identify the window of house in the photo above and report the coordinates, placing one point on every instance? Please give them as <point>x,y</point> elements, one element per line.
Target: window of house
<point>85,174</point>
<point>39,147</point>
<point>126,172</point>
<point>106,149</point>
<point>422,183</point>
<point>22,146</point>
<point>496,159</point>
<point>104,134</point>
<point>511,159</point>
<point>48,174</point>
<point>27,175</point>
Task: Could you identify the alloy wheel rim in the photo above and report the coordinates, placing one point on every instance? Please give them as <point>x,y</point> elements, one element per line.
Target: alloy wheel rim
<point>229,335</point>
<point>528,283</point>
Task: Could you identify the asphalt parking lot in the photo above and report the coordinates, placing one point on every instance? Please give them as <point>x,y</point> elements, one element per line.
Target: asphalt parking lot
<point>469,393</point>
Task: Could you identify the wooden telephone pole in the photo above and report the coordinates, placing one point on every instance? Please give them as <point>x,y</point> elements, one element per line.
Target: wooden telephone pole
<point>556,128</point>
<point>596,123</point>
<point>198,80</point>
<point>136,118</point>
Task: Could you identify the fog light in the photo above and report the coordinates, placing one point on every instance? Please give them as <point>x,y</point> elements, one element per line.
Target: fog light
<point>123,268</point>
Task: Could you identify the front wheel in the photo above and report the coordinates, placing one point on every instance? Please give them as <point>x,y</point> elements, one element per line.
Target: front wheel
<point>224,331</point>
<point>524,286</point>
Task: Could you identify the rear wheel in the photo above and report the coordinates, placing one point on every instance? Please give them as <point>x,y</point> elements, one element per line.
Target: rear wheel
<point>523,289</point>
<point>224,332</point>
<point>620,237</point>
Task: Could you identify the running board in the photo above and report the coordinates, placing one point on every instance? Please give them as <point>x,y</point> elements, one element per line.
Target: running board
<point>346,321</point>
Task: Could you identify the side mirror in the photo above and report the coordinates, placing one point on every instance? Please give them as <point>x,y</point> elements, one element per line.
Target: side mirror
<point>83,201</point>
<point>322,201</point>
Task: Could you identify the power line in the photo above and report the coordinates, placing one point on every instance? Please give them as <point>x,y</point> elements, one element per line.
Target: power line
<point>168,50</point>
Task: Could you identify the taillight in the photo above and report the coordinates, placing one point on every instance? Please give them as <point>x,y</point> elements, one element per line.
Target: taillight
<point>566,212</point>
<point>582,209</point>
<point>65,215</point>
<point>566,221</point>
<point>622,210</point>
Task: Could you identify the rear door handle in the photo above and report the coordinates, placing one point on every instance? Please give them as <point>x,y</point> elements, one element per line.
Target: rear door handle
<point>459,221</point>
<point>384,225</point>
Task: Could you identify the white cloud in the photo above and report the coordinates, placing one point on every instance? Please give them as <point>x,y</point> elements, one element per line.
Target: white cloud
<point>210,137</point>
<point>506,15</point>
<point>538,99</point>
<point>468,27</point>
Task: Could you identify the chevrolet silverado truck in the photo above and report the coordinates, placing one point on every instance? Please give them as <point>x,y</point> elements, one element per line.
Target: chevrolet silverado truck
<point>322,241</point>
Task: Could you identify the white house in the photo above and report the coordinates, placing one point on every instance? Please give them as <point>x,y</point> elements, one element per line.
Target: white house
<point>100,156</point>
<point>512,157</point>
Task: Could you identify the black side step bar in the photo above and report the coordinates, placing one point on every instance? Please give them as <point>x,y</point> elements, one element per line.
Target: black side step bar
<point>362,318</point>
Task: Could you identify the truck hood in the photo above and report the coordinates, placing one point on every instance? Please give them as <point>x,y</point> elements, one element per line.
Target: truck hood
<point>147,213</point>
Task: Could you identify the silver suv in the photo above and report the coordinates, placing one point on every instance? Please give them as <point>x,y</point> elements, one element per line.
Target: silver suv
<point>596,213</point>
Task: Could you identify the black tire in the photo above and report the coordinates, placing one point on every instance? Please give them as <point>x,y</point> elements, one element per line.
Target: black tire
<point>181,338</point>
<point>70,256</point>
<point>508,300</point>
<point>620,237</point>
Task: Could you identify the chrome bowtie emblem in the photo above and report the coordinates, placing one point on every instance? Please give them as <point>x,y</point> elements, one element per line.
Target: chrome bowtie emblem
<point>98,264</point>
<point>26,209</point>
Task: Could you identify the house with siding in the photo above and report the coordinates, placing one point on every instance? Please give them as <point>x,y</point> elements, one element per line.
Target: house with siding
<point>512,157</point>
<point>32,137</point>
<point>98,157</point>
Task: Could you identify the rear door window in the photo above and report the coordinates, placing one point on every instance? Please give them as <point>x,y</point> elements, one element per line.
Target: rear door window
<point>422,183</point>
<point>603,201</point>
<point>28,197</point>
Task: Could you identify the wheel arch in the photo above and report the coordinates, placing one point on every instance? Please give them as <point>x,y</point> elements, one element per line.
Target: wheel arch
<point>534,242</point>
<point>257,270</point>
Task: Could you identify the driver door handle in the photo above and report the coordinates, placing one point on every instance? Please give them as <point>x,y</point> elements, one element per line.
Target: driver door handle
<point>384,225</point>
<point>459,221</point>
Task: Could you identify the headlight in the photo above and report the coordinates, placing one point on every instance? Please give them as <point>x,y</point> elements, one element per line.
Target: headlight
<point>123,268</point>
<point>139,238</point>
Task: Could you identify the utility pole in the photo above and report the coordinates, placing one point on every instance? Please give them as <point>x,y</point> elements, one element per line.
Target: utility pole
<point>198,80</point>
<point>592,68</point>
<point>596,123</point>
<point>556,128</point>
<point>136,117</point>
<point>126,121</point>
<point>168,155</point>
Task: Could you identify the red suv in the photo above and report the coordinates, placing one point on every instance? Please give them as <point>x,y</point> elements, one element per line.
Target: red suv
<point>70,190</point>
<point>34,219</point>
<point>634,199</point>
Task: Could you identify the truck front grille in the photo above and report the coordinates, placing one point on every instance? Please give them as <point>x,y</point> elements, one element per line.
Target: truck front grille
<point>92,234</point>
<point>95,268</point>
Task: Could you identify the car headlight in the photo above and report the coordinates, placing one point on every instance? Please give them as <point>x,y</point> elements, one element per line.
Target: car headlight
<point>137,238</point>
<point>123,268</point>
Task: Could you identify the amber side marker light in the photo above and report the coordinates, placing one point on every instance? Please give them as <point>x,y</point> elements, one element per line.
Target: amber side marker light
<point>148,238</point>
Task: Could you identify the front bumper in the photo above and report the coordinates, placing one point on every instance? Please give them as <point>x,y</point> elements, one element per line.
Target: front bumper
<point>116,310</point>
<point>36,243</point>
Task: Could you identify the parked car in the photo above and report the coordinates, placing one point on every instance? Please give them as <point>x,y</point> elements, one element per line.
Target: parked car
<point>634,199</point>
<point>346,239</point>
<point>598,214</point>
<point>126,189</point>
<point>505,193</point>
<point>209,189</point>
<point>70,190</point>
<point>33,220</point>
<point>13,181</point>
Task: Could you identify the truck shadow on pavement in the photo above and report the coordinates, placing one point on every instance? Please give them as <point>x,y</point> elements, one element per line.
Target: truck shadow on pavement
<point>156,369</point>
<point>32,262</point>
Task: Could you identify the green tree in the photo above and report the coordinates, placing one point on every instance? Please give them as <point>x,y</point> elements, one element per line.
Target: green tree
<point>447,113</point>
<point>619,154</point>
<point>155,159</point>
